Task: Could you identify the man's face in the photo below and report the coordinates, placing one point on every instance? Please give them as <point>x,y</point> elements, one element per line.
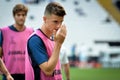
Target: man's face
<point>20,18</point>
<point>53,22</point>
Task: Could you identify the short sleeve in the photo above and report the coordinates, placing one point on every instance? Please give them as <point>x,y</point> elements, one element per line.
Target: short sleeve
<point>37,50</point>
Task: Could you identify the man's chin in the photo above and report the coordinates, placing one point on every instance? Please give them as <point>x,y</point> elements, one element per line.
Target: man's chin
<point>21,24</point>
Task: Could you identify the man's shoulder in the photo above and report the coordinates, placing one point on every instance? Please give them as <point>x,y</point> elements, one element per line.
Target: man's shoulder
<point>35,38</point>
<point>30,28</point>
<point>4,28</point>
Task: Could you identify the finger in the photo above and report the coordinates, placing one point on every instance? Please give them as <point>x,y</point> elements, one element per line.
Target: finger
<point>64,30</point>
<point>54,34</point>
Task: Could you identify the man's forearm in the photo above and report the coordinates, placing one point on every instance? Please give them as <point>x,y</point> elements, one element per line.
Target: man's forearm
<point>55,56</point>
<point>49,66</point>
<point>3,68</point>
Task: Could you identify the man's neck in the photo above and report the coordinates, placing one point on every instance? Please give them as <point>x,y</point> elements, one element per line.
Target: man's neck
<point>19,27</point>
<point>47,33</point>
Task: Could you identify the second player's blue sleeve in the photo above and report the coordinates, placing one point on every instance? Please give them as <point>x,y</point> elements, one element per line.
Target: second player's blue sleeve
<point>37,50</point>
<point>1,39</point>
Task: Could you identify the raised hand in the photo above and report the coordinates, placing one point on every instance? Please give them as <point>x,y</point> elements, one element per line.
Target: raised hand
<point>60,35</point>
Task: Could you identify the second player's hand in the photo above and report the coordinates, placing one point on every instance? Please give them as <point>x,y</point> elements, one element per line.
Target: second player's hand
<point>9,77</point>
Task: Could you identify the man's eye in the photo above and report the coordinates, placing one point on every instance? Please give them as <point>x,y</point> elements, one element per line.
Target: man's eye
<point>23,15</point>
<point>20,14</point>
<point>55,21</point>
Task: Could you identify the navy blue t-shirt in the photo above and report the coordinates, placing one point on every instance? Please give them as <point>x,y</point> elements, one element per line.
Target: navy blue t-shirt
<point>1,39</point>
<point>37,50</point>
<point>38,53</point>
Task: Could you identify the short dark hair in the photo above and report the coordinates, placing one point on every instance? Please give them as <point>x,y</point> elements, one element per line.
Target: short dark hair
<point>20,7</point>
<point>54,8</point>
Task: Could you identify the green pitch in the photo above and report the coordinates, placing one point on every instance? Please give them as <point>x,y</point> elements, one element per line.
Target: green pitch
<point>94,74</point>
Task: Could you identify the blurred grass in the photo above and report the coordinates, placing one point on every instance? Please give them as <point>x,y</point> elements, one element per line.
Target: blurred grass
<point>0,77</point>
<point>93,74</point>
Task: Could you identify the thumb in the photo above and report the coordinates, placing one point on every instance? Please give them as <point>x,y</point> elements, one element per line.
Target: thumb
<point>54,34</point>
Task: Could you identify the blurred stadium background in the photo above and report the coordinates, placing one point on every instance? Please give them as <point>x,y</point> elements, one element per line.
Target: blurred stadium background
<point>93,40</point>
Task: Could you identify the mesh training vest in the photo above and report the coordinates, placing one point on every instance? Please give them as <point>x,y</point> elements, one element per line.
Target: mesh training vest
<point>29,73</point>
<point>14,44</point>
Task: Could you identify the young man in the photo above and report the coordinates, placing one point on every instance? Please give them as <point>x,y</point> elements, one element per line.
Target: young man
<point>65,62</point>
<point>13,43</point>
<point>42,59</point>
<point>4,70</point>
